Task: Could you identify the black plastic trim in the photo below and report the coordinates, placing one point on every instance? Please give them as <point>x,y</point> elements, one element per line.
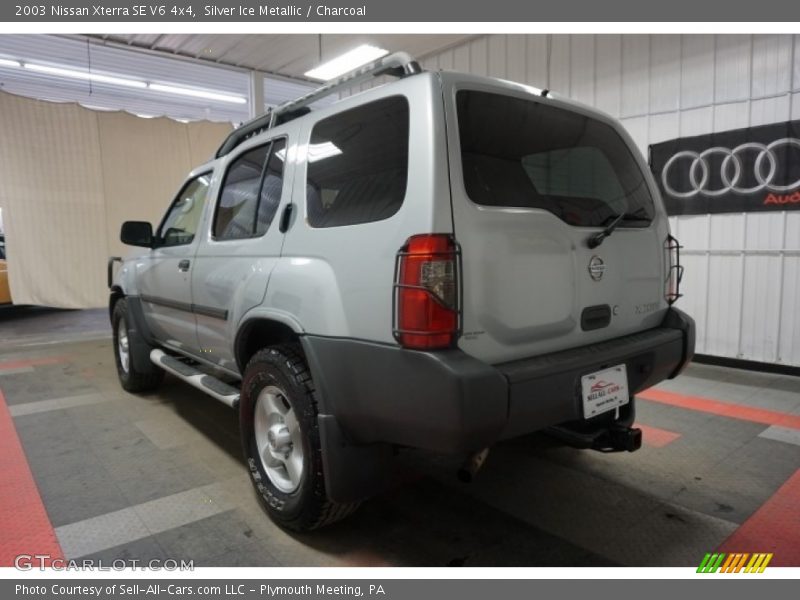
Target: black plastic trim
<point>749,365</point>
<point>207,311</point>
<point>448,401</point>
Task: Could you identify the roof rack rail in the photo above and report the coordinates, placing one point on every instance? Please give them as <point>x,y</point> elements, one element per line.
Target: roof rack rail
<point>399,64</point>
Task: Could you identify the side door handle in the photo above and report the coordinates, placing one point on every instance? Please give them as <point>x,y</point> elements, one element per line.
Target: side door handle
<point>184,265</point>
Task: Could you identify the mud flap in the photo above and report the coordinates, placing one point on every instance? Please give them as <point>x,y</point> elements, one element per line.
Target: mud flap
<point>352,472</point>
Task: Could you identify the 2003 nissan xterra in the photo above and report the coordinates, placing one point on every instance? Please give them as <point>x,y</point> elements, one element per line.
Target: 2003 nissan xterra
<point>441,262</point>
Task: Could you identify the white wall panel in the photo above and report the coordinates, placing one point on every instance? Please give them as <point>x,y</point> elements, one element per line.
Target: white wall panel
<point>637,127</point>
<point>696,121</point>
<point>694,231</point>
<point>517,55</point>
<point>792,231</point>
<point>694,288</point>
<point>789,343</point>
<point>742,281</point>
<point>732,73</point>
<point>760,308</point>
<point>723,305</point>
<point>796,69</point>
<point>497,56</point>
<point>665,73</point>
<point>663,127</point>
<point>772,65</point>
<point>635,75</point>
<point>764,231</point>
<point>608,73</point>
<point>731,116</point>
<point>770,110</point>
<point>726,232</point>
<point>536,65</point>
<point>697,70</point>
<point>582,68</point>
<point>479,56</point>
<point>559,64</point>
<point>446,60</point>
<point>461,59</point>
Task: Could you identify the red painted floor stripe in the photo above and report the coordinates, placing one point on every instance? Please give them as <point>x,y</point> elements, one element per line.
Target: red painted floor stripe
<point>24,525</point>
<point>658,438</point>
<point>31,362</point>
<point>734,411</point>
<point>775,527</point>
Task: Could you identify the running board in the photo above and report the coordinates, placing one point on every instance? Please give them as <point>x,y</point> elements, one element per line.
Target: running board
<point>212,386</point>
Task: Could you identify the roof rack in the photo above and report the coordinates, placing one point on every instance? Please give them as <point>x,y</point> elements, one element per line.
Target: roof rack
<point>399,64</point>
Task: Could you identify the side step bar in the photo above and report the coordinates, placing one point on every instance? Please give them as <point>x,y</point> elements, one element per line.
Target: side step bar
<point>206,383</point>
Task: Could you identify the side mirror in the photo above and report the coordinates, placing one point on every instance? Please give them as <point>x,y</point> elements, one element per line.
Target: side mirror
<point>137,233</point>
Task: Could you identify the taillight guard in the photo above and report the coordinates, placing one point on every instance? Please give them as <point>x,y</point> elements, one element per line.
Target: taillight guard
<point>672,284</point>
<point>430,269</point>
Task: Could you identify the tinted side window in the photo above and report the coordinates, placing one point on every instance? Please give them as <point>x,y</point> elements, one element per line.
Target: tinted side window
<point>180,225</point>
<point>358,164</point>
<point>250,193</point>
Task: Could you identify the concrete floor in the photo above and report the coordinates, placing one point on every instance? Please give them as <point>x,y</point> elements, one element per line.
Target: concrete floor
<point>161,476</point>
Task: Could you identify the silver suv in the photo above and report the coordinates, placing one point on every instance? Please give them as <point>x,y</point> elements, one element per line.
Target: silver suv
<point>441,262</point>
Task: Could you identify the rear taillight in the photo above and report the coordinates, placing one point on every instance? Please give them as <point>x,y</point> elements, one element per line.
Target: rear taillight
<point>427,292</point>
<point>672,287</point>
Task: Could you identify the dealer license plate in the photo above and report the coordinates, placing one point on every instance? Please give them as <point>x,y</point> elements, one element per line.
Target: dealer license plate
<point>604,390</point>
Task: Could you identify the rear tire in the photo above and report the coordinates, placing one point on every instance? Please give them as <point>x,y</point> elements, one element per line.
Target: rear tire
<point>133,376</point>
<point>280,437</point>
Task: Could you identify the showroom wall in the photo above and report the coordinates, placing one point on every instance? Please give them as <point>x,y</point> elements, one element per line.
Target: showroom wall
<point>742,281</point>
<point>70,177</point>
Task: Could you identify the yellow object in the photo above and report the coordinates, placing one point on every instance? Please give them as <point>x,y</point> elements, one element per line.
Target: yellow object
<point>5,292</point>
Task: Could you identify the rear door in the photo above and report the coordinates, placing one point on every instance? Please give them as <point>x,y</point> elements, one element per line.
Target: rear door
<point>242,244</point>
<point>532,179</point>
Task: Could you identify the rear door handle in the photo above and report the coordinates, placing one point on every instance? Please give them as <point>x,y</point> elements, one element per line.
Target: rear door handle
<point>184,265</point>
<point>286,218</point>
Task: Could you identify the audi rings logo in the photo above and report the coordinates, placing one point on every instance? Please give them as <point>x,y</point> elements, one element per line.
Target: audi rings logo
<point>732,170</point>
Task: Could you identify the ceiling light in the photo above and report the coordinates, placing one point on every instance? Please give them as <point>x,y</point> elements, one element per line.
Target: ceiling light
<point>324,150</point>
<point>86,75</point>
<point>346,62</point>
<point>4,62</point>
<point>194,93</point>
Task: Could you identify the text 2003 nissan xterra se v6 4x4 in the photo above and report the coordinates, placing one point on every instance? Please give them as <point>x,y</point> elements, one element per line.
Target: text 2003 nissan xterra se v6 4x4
<point>441,262</point>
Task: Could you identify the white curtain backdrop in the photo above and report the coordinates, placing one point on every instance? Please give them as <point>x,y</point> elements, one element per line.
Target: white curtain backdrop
<point>69,176</point>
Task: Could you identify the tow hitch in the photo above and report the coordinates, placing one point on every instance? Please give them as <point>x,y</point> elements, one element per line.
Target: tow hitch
<point>619,439</point>
<point>616,438</point>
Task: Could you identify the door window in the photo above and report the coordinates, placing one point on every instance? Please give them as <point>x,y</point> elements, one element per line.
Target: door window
<point>180,225</point>
<point>251,193</point>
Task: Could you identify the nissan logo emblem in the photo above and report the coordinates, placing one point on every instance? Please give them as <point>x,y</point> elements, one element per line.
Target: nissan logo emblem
<point>596,268</point>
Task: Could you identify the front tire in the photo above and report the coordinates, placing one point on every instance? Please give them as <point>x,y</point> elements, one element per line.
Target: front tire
<point>133,376</point>
<point>280,436</point>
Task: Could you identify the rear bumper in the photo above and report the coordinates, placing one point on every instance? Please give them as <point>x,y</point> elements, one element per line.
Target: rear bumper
<point>451,402</point>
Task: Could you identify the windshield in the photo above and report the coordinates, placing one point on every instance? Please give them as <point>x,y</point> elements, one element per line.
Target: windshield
<point>526,154</point>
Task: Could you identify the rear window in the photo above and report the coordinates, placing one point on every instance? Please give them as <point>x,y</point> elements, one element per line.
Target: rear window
<point>358,164</point>
<point>524,154</point>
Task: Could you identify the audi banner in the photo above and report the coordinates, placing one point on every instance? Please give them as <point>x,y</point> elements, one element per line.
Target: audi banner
<point>741,170</point>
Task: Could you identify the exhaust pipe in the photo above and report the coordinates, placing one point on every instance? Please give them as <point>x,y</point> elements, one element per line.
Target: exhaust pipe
<point>472,465</point>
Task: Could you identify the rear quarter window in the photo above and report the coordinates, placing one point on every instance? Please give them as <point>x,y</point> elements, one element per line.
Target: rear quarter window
<point>358,164</point>
<point>527,154</point>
